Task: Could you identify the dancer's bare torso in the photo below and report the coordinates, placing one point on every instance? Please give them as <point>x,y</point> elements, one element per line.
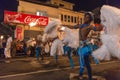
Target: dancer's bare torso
<point>83,32</point>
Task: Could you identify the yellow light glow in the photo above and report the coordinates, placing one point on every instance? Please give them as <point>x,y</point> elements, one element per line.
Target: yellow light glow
<point>32,24</point>
<point>1,37</point>
<point>62,28</point>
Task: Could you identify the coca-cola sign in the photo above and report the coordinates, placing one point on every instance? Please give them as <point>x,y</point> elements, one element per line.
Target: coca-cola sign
<point>19,33</point>
<point>14,17</point>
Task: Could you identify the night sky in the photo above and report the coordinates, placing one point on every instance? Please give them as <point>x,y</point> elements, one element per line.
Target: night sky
<point>7,5</point>
<point>80,5</point>
<point>88,5</point>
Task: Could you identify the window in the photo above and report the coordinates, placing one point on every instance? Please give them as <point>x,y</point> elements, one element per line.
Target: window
<point>81,20</point>
<point>78,20</point>
<point>65,17</point>
<point>41,13</point>
<point>71,18</point>
<point>55,3</point>
<point>61,17</point>
<point>68,18</point>
<point>61,5</point>
<point>38,13</point>
<point>74,19</point>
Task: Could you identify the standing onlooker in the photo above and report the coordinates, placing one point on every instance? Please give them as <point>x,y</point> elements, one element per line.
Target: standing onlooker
<point>32,47</point>
<point>28,43</point>
<point>8,48</point>
<point>4,43</point>
<point>24,47</point>
<point>38,48</point>
<point>3,47</point>
<point>13,47</point>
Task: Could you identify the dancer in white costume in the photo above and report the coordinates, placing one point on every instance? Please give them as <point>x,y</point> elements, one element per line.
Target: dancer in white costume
<point>50,34</point>
<point>7,50</point>
<point>110,19</point>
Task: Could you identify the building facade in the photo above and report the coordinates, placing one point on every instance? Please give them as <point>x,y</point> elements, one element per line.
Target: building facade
<point>61,3</point>
<point>53,9</point>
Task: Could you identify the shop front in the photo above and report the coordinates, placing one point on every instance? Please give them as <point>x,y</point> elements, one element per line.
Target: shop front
<point>27,25</point>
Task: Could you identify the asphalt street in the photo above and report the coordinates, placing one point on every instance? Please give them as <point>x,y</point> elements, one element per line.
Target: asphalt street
<point>30,69</point>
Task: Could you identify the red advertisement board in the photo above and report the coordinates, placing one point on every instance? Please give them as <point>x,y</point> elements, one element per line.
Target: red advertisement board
<point>19,33</point>
<point>15,17</point>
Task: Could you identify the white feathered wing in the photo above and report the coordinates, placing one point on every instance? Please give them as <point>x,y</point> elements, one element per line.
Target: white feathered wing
<point>110,18</point>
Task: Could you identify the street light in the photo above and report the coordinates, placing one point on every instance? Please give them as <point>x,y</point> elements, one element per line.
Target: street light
<point>1,37</point>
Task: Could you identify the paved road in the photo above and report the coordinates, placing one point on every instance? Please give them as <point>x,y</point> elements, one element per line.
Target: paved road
<point>31,70</point>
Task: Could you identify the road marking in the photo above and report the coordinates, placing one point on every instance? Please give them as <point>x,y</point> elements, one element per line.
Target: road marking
<point>42,71</point>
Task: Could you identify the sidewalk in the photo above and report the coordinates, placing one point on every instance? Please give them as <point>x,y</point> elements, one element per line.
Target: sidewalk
<point>25,58</point>
<point>18,58</point>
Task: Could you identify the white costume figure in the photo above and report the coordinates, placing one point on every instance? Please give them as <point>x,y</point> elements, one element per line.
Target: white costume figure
<point>56,48</point>
<point>50,33</point>
<point>47,48</point>
<point>29,43</point>
<point>8,48</point>
<point>70,37</point>
<point>110,19</point>
<point>59,35</point>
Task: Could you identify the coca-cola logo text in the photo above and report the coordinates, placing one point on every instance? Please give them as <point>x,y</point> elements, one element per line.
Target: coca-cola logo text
<point>15,17</point>
<point>39,21</point>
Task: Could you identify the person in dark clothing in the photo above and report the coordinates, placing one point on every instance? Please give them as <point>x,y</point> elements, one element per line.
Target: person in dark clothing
<point>68,50</point>
<point>13,47</point>
<point>24,47</point>
<point>38,50</point>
